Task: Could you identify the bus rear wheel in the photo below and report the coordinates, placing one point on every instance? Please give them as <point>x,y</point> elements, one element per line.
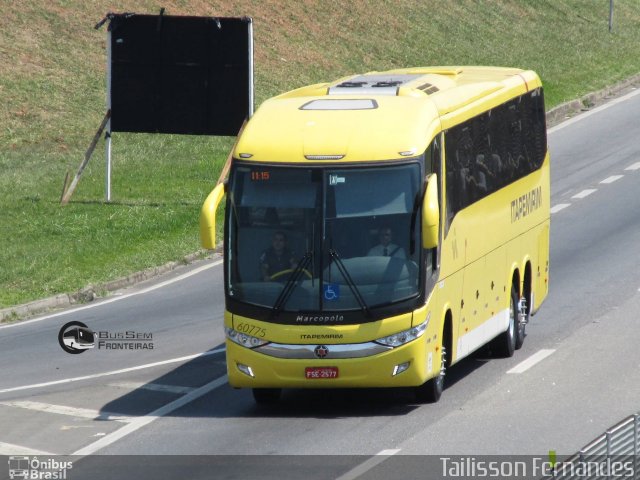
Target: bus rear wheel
<point>521,326</point>
<point>520,331</point>
<point>431,390</point>
<point>505,344</point>
<point>266,396</point>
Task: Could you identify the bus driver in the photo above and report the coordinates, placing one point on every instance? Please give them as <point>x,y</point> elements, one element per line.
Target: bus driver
<point>277,258</point>
<point>386,248</point>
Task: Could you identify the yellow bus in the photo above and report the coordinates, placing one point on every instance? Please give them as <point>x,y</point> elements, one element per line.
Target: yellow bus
<point>380,228</point>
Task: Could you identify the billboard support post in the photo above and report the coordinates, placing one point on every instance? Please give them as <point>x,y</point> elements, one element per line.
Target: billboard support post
<point>68,191</point>
<point>250,70</point>
<point>107,144</point>
<point>107,136</point>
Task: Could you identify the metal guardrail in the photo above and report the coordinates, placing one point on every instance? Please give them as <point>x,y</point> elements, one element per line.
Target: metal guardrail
<point>614,454</point>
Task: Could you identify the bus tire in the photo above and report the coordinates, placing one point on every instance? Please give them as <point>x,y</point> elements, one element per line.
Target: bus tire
<point>266,396</point>
<point>431,390</point>
<point>520,327</point>
<point>505,343</point>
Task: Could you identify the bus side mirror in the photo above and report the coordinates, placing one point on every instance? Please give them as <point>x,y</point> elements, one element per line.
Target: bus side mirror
<point>430,213</point>
<point>208,217</point>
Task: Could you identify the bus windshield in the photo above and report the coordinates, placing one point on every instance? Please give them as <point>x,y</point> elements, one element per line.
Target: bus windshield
<point>323,239</point>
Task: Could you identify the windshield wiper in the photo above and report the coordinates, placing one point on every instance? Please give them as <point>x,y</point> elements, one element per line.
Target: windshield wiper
<point>354,289</point>
<point>291,284</point>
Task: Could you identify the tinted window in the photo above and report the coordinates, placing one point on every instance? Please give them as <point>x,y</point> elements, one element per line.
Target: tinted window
<point>494,149</point>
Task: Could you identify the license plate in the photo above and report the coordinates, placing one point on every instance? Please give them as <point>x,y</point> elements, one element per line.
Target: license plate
<point>316,373</point>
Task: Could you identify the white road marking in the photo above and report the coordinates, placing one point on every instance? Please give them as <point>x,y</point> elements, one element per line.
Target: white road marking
<point>531,361</point>
<point>138,423</point>
<point>585,193</point>
<point>558,207</point>
<point>612,178</point>
<point>367,465</point>
<point>584,115</point>
<point>635,166</point>
<point>117,298</point>
<point>69,411</point>
<point>154,387</point>
<point>113,372</point>
<point>8,449</point>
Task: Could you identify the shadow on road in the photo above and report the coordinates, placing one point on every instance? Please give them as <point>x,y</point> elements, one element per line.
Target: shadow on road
<point>226,402</point>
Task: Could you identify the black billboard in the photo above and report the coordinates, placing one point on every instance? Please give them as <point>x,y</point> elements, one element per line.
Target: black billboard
<point>180,74</point>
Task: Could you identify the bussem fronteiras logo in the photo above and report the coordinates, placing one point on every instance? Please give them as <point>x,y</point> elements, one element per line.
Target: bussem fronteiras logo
<point>76,337</point>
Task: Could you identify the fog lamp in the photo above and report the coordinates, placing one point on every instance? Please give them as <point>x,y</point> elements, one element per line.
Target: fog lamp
<point>245,369</point>
<point>400,368</point>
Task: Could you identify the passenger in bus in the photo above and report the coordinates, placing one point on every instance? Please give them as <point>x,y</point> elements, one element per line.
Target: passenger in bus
<point>469,185</point>
<point>483,168</point>
<point>277,258</point>
<point>514,162</point>
<point>464,167</point>
<point>484,176</point>
<point>386,248</point>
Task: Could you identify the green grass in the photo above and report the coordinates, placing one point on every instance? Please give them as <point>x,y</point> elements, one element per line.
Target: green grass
<point>52,87</point>
<point>152,219</point>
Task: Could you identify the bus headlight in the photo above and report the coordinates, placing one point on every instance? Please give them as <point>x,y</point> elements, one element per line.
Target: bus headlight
<point>243,339</point>
<point>398,339</point>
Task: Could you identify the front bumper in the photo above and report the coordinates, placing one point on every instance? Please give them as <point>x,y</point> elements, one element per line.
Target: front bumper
<point>376,370</point>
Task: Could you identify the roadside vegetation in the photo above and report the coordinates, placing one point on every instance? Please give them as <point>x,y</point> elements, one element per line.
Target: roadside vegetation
<point>52,92</point>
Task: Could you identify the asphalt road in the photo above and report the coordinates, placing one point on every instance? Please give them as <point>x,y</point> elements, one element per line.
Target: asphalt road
<point>581,372</point>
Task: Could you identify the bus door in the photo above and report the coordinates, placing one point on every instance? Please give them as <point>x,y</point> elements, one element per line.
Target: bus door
<point>493,284</point>
<point>472,313</point>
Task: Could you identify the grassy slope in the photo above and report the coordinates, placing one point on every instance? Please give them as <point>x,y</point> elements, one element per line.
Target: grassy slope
<point>52,90</point>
